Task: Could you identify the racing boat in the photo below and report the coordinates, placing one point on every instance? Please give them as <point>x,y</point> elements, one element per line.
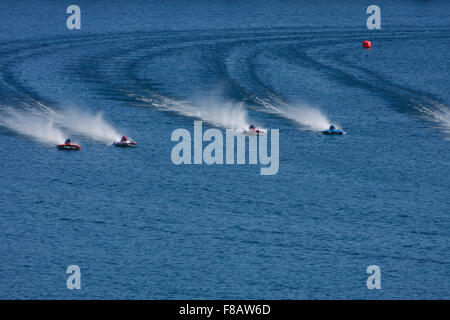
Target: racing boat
<point>252,131</point>
<point>333,130</point>
<point>125,143</point>
<point>68,145</point>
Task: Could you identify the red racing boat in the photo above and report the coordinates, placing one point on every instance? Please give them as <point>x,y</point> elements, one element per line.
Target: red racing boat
<point>68,145</point>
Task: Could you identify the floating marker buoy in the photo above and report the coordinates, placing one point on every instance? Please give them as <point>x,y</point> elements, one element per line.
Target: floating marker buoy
<point>367,44</point>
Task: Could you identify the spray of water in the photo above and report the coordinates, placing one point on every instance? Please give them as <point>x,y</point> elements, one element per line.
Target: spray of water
<point>40,128</point>
<point>90,125</point>
<point>219,113</point>
<point>440,115</point>
<point>308,117</point>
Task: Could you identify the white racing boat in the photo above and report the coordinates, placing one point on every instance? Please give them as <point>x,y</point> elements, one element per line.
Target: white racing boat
<point>252,131</point>
<point>125,143</point>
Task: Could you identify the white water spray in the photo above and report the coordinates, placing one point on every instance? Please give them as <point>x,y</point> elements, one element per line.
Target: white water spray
<point>220,113</point>
<point>440,114</point>
<point>307,116</point>
<point>93,126</point>
<point>34,126</point>
<point>224,114</point>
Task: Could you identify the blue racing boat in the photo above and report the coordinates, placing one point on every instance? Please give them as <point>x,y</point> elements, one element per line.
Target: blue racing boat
<point>333,130</point>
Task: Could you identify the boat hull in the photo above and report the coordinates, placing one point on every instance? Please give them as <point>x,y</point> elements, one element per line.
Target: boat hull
<point>125,145</point>
<point>73,147</point>
<point>333,132</point>
<point>254,133</point>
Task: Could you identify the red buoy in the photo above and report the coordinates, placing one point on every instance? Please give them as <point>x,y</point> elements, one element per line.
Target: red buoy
<point>367,44</point>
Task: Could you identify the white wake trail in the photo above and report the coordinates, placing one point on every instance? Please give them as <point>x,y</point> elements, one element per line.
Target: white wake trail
<point>307,116</point>
<point>93,126</point>
<point>440,115</point>
<point>40,128</point>
<point>219,113</point>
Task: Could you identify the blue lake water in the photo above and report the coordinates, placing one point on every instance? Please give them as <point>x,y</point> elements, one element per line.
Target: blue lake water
<point>141,227</point>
